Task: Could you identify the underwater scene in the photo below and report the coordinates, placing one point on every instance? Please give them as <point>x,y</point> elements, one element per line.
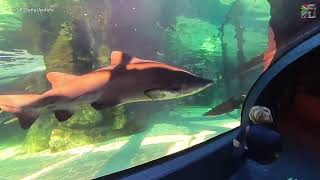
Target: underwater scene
<point>92,87</point>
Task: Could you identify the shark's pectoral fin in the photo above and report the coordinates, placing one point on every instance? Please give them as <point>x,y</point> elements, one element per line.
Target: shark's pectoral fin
<point>63,115</point>
<point>26,119</point>
<point>102,105</point>
<point>155,94</point>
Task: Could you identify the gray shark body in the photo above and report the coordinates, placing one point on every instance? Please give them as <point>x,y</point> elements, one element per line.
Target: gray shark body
<point>126,80</point>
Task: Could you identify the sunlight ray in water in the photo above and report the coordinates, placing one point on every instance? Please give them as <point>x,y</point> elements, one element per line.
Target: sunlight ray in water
<point>7,153</point>
<point>189,141</point>
<point>201,137</point>
<point>81,150</point>
<point>231,125</point>
<point>111,146</point>
<point>52,167</point>
<point>164,139</point>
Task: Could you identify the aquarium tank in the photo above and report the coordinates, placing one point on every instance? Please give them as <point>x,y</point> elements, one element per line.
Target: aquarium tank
<point>93,87</point>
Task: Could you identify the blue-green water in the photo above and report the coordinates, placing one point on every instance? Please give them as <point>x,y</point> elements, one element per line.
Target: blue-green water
<point>214,39</point>
<point>17,63</point>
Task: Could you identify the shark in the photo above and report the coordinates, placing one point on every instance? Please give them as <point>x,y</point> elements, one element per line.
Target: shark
<point>127,79</point>
<point>227,106</point>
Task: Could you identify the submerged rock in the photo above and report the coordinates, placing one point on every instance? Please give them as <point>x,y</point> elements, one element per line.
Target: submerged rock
<point>119,117</point>
<point>88,126</point>
<point>84,118</point>
<point>82,128</point>
<point>65,138</point>
<point>38,136</point>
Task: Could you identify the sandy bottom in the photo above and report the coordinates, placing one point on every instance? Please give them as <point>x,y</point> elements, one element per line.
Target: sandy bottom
<point>168,133</point>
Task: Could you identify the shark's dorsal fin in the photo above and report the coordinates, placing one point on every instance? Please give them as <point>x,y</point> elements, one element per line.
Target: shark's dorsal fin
<point>58,78</point>
<point>120,58</point>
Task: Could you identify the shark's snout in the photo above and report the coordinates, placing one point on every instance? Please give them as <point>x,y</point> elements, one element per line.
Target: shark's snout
<point>202,83</point>
<point>198,84</point>
<point>205,82</point>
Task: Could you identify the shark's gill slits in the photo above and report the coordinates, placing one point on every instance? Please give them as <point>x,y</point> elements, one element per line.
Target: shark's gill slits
<point>187,88</point>
<point>184,88</point>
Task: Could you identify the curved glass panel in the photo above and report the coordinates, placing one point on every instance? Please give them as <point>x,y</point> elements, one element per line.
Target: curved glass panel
<point>78,99</point>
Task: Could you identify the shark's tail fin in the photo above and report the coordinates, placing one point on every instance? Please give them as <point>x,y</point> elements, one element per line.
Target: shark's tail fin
<point>19,105</point>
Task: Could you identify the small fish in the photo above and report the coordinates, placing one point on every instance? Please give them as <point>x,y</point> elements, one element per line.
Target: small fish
<point>226,107</point>
<point>160,54</point>
<point>168,28</point>
<point>7,118</point>
<point>10,121</point>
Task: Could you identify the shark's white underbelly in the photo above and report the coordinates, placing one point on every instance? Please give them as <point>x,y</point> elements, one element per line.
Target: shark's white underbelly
<point>73,104</point>
<point>134,97</point>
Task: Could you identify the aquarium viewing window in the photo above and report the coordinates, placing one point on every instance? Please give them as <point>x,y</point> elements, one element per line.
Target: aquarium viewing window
<point>92,87</point>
